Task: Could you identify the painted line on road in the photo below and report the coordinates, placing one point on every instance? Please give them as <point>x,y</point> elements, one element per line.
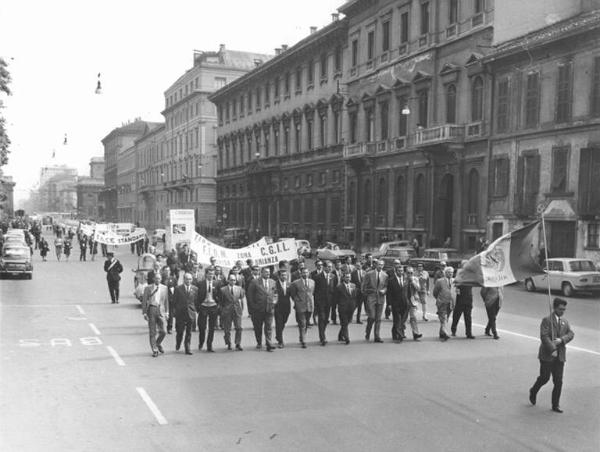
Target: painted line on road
<point>80,309</point>
<point>94,329</point>
<point>152,406</point>
<point>115,355</point>
<point>570,347</point>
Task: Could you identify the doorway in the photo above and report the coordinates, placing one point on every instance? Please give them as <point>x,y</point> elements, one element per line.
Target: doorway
<point>561,242</point>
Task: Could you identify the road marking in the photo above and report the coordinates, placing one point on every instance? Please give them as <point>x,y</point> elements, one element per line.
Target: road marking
<point>152,406</point>
<point>115,355</point>
<point>76,318</point>
<point>94,329</point>
<point>80,309</point>
<point>570,347</point>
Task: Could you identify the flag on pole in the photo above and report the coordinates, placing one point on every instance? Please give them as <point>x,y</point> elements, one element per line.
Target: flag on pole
<point>513,257</point>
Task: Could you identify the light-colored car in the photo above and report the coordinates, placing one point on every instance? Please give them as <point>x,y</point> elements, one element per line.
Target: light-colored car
<point>403,254</point>
<point>157,235</point>
<point>16,261</point>
<point>332,251</point>
<point>568,275</point>
<point>385,246</point>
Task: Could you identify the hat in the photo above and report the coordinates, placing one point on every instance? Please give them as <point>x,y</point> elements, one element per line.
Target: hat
<point>396,261</point>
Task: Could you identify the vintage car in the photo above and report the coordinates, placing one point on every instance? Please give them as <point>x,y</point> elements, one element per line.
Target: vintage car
<point>403,254</point>
<point>146,262</point>
<point>331,251</point>
<point>16,261</point>
<point>304,248</point>
<point>157,236</point>
<point>567,275</point>
<point>385,246</point>
<point>433,257</point>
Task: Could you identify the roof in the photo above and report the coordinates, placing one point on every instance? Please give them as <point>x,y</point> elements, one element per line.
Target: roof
<point>137,127</point>
<point>544,36</point>
<point>97,160</point>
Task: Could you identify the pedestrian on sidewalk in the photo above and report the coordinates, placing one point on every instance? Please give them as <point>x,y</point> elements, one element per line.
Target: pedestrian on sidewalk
<point>555,334</point>
<point>155,309</point>
<point>113,269</point>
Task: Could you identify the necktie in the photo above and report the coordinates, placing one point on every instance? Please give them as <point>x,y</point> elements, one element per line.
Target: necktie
<point>306,283</point>
<point>449,284</point>
<point>377,279</point>
<point>210,286</point>
<point>187,288</point>
<point>231,290</point>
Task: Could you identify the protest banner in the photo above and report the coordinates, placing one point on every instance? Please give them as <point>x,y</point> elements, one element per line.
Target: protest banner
<point>109,238</point>
<point>182,226</point>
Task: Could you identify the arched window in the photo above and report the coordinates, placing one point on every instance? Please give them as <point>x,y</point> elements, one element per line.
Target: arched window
<point>451,104</point>
<point>367,198</point>
<point>477,99</point>
<point>419,199</point>
<point>473,192</point>
<point>382,197</point>
<point>399,197</point>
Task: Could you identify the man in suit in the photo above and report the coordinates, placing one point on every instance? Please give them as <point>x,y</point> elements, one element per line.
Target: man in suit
<point>155,308</point>
<point>345,295</point>
<point>396,298</point>
<point>325,284</point>
<point>443,292</point>
<point>357,277</point>
<point>396,269</point>
<point>184,303</point>
<point>335,271</point>
<point>315,275</point>
<point>411,287</point>
<point>555,334</point>
<point>113,269</point>
<point>254,275</point>
<point>231,303</point>
<point>375,289</point>
<point>207,308</point>
<point>298,273</point>
<point>464,305</point>
<point>262,298</point>
<point>167,279</point>
<point>302,293</point>
<point>283,306</point>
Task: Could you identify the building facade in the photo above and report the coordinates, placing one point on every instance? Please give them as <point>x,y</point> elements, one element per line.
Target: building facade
<point>151,162</point>
<point>416,121</point>
<point>545,141</point>
<point>280,170</point>
<point>89,189</point>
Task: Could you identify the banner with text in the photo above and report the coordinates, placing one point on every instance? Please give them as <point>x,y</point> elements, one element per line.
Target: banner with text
<point>109,238</point>
<point>182,225</point>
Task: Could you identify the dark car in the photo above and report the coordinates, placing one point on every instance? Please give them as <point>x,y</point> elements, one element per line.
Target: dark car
<point>433,257</point>
<point>403,254</point>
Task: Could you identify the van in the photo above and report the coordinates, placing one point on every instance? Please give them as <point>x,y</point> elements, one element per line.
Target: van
<point>16,261</point>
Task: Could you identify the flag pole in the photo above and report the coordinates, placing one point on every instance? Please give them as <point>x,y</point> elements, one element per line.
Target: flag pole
<point>547,274</point>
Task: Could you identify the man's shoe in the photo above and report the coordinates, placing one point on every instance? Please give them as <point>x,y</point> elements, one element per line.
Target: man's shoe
<point>347,341</point>
<point>160,348</point>
<point>470,336</point>
<point>168,331</point>
<point>496,336</point>
<point>444,337</point>
<point>532,396</point>
<point>323,343</point>
<point>188,352</point>
<point>280,345</point>
<point>210,350</point>
<point>239,348</point>
<point>154,354</point>
<point>200,346</point>
<point>270,349</point>
<point>228,346</point>
<point>416,337</point>
<point>258,346</point>
<point>425,319</point>
<point>378,340</point>
<point>453,333</point>
<point>557,409</point>
<point>367,338</point>
<point>177,347</point>
<point>487,333</point>
<point>303,345</point>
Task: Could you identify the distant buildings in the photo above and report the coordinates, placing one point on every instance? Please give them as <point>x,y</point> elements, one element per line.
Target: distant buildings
<point>89,191</point>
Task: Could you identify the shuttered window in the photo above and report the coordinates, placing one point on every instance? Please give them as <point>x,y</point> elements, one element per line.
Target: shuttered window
<point>564,93</point>
<point>560,158</point>
<point>589,175</point>
<point>502,113</point>
<point>532,100</point>
<point>595,110</point>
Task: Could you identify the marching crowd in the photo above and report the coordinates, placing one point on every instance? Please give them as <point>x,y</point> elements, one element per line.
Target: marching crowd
<point>333,293</point>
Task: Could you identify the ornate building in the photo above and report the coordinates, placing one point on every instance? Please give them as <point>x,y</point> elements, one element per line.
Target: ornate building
<point>280,170</point>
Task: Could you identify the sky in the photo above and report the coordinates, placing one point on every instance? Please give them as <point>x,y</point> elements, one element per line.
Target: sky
<point>56,49</point>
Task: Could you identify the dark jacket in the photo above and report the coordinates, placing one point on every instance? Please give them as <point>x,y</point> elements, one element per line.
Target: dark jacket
<point>113,270</point>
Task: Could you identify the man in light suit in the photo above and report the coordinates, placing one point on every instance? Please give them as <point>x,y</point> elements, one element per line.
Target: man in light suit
<point>262,298</point>
<point>207,308</point>
<point>185,312</point>
<point>357,277</point>
<point>375,290</point>
<point>411,287</point>
<point>231,303</point>
<point>302,293</point>
<point>283,306</point>
<point>443,292</point>
<point>555,334</point>
<point>396,298</point>
<point>155,308</point>
<point>345,296</point>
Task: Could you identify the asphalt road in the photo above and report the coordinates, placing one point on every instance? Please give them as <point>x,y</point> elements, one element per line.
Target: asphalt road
<point>76,375</point>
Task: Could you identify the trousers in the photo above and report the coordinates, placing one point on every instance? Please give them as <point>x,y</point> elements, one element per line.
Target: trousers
<point>156,327</point>
<point>113,290</point>
<point>262,320</point>
<point>442,312</point>
<point>374,311</point>
<point>183,325</point>
<point>228,318</point>
<point>207,313</point>
<point>302,321</point>
<point>459,310</point>
<point>409,313</point>
<point>556,369</point>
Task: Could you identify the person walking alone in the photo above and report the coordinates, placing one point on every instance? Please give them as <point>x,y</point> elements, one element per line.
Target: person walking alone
<point>113,269</point>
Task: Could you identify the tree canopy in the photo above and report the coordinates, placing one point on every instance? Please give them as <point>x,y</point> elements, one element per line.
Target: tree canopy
<point>4,140</point>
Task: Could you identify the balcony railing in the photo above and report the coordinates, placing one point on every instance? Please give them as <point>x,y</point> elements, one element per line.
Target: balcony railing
<point>474,129</point>
<point>359,149</point>
<point>439,134</point>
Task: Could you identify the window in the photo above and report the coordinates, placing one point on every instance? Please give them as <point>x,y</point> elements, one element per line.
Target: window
<point>276,88</point>
<point>297,182</point>
<point>299,79</point>
<point>267,93</point>
<point>477,99</point>
<point>286,139</point>
<point>419,198</point>
<point>286,84</point>
<point>354,52</point>
<point>336,127</point>
<point>453,12</point>
<point>267,143</point>
<point>399,194</point>
<point>242,106</point>
<point>479,6</point>
<point>323,66</point>
<point>322,130</point>
<point>451,104</point>
<point>589,175</point>
<point>560,163</point>
<point>308,208</point>
<point>473,193</point>
<point>593,235</point>
<point>322,178</point>
<point>402,119</point>
<point>335,176</point>
<point>424,18</point>
<point>370,124</point>
<point>220,82</point>
<point>338,59</point>
<point>499,176</point>
<point>309,180</point>
<point>298,136</point>
<point>249,102</point>
<point>595,110</point>
<point>311,73</point>
<point>404,28</point>
<point>276,137</point>
<point>352,116</point>
<point>258,99</point>
<point>563,93</point>
<point>370,45</point>
<point>309,134</point>
<point>532,100</point>
<point>423,96</point>
<point>528,181</point>
<point>385,36</point>
<point>384,120</point>
<point>502,113</point>
<point>286,185</point>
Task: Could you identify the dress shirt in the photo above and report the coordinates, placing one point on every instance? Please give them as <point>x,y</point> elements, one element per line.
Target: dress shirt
<point>209,300</point>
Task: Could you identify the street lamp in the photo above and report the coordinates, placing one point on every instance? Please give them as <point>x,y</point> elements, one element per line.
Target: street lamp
<point>406,110</point>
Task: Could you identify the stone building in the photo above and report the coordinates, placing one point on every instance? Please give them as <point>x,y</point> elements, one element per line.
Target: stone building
<point>280,170</point>
<point>545,140</point>
<point>89,189</point>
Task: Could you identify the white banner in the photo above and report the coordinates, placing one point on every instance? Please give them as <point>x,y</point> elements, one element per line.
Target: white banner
<point>108,238</point>
<point>87,229</point>
<point>182,225</point>
<point>262,254</point>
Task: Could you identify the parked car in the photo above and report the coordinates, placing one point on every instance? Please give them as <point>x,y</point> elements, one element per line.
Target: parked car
<point>385,246</point>
<point>16,261</point>
<point>567,275</point>
<point>332,251</point>
<point>433,257</point>
<point>157,236</point>
<point>403,254</point>
<point>304,248</point>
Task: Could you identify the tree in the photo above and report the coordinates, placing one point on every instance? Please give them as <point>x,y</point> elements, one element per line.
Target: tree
<point>4,140</point>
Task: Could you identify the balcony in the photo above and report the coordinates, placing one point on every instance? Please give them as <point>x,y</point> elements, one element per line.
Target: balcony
<point>447,133</point>
<point>356,150</point>
<point>474,129</point>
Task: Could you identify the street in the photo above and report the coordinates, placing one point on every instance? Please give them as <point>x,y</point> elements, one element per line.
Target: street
<point>77,375</point>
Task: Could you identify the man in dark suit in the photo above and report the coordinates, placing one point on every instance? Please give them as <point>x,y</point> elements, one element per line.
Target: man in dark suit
<point>185,312</point>
<point>357,277</point>
<point>207,308</point>
<point>113,269</point>
<point>231,303</point>
<point>325,284</point>
<point>555,334</point>
<point>262,298</point>
<point>247,271</point>
<point>375,289</point>
<point>336,270</point>
<point>314,275</point>
<point>298,273</point>
<point>283,306</point>
<point>302,293</point>
<point>345,295</point>
<point>396,298</point>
